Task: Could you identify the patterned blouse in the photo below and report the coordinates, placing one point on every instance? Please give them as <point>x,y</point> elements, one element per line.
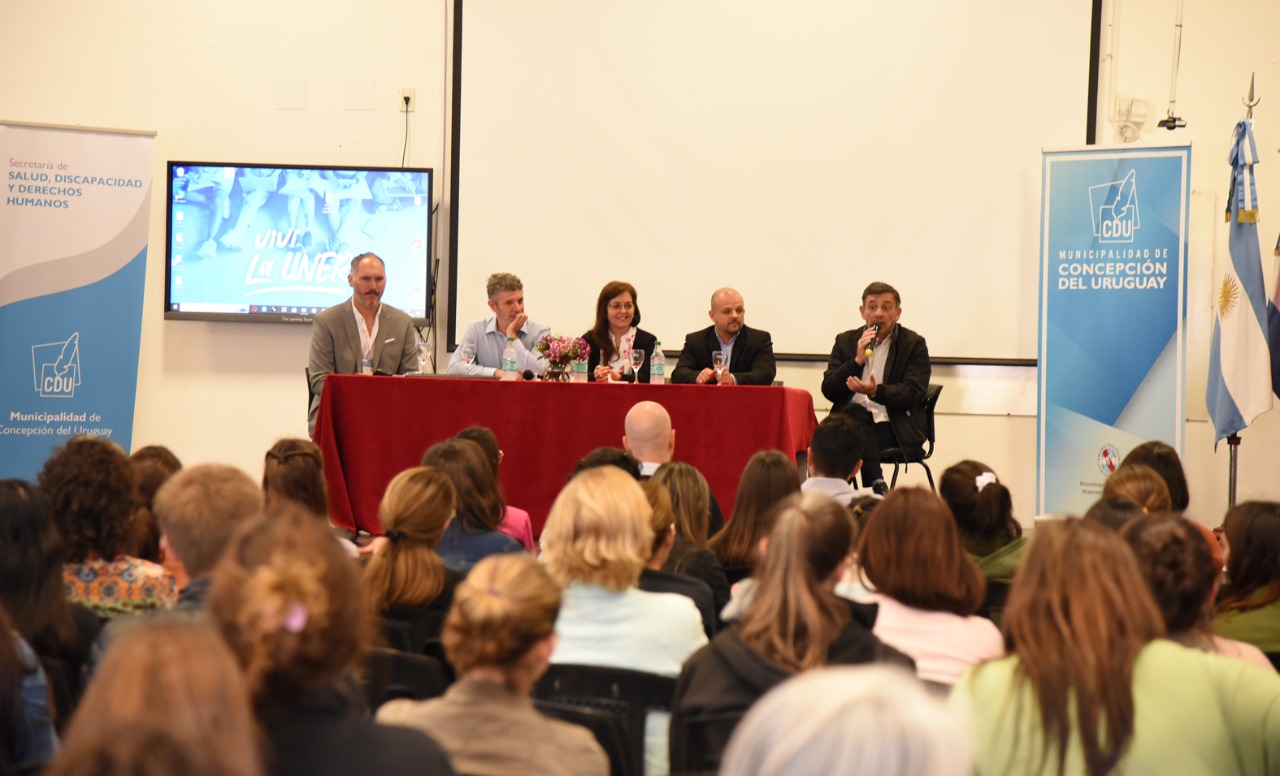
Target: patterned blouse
<point>121,586</point>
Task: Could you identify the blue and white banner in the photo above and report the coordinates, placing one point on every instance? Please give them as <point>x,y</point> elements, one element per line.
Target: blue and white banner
<point>1112,314</point>
<point>75,216</point>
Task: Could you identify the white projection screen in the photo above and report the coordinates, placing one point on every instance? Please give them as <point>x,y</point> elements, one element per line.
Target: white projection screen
<point>794,150</point>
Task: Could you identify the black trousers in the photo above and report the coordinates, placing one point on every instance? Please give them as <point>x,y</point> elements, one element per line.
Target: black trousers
<point>876,437</point>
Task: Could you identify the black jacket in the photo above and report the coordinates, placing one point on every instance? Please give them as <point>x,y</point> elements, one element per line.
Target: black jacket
<point>644,341</point>
<point>903,389</point>
<point>752,362</point>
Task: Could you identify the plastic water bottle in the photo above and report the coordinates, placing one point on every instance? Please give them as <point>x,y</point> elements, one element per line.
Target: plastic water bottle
<point>509,360</point>
<point>657,365</point>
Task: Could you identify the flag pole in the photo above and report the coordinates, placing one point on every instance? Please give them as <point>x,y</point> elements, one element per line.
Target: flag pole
<point>1233,444</point>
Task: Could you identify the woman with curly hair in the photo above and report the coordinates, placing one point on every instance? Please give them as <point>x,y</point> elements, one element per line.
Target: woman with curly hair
<point>88,486</point>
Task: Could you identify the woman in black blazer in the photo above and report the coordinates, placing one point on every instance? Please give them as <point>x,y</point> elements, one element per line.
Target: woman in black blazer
<point>616,334</point>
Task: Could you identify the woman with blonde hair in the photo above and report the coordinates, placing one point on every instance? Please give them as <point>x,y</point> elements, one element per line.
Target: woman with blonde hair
<point>595,543</point>
<point>406,579</point>
<point>289,603</point>
<point>1091,687</point>
<point>1139,484</point>
<point>175,674</point>
<point>499,636</point>
<point>691,503</point>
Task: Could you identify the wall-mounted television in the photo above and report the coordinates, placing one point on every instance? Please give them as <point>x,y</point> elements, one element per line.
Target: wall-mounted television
<point>274,242</point>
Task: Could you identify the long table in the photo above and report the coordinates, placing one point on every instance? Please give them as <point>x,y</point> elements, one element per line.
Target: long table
<point>370,428</point>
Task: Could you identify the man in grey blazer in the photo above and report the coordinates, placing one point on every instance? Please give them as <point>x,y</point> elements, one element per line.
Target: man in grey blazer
<point>361,334</point>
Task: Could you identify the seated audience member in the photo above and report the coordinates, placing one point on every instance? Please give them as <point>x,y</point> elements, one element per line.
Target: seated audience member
<point>145,748</point>
<point>926,585</point>
<point>1164,460</point>
<point>293,473</point>
<point>488,337</point>
<point>500,635</point>
<point>835,455</point>
<point>769,477</point>
<point>474,534</point>
<point>983,510</point>
<point>690,555</point>
<point>88,486</point>
<point>406,579</point>
<point>649,438</point>
<point>1249,604</point>
<point>595,544</point>
<point>1139,484</point>
<point>1090,686</point>
<point>177,677</point>
<point>748,353</point>
<point>865,719</point>
<point>653,579</point>
<point>27,736</point>
<point>515,521</point>
<point>32,589</point>
<point>616,334</point>
<point>608,456</point>
<point>152,466</point>
<point>794,622</point>
<point>1113,512</point>
<point>878,374</point>
<point>1175,560</point>
<point>289,602</point>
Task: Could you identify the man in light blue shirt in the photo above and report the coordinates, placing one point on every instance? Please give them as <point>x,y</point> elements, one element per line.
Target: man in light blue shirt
<point>489,337</point>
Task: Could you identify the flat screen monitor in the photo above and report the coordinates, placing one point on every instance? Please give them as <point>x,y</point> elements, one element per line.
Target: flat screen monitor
<point>274,242</point>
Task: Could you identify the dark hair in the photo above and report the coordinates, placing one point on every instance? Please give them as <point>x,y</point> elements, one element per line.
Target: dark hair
<point>984,514</point>
<point>1175,560</point>
<point>12,674</point>
<point>488,441</point>
<point>877,287</point>
<point>31,570</point>
<point>608,456</point>
<point>1165,461</point>
<point>837,446</point>
<point>769,477</point>
<point>1253,561</point>
<point>294,471</point>
<point>152,466</point>
<point>690,500</point>
<point>88,486</point>
<point>601,339</point>
<point>860,510</point>
<point>1113,512</point>
<point>910,550</point>
<point>480,501</point>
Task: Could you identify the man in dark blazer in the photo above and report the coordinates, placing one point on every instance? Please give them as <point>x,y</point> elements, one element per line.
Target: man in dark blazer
<point>879,375</point>
<point>362,326</point>
<point>750,350</point>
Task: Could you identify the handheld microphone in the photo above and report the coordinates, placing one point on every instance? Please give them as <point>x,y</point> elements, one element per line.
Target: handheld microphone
<point>875,327</point>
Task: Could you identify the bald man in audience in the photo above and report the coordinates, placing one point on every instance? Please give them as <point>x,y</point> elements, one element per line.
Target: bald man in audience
<point>649,437</point>
<point>748,353</point>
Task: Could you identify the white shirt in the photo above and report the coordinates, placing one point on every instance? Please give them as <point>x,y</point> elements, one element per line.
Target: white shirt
<point>367,337</point>
<point>836,488</point>
<point>875,366</point>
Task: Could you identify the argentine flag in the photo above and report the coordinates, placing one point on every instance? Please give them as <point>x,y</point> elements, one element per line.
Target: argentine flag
<point>1239,387</point>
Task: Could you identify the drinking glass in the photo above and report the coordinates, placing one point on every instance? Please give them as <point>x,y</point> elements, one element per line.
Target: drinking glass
<point>468,354</point>
<point>637,361</point>
<point>718,364</point>
<point>424,356</point>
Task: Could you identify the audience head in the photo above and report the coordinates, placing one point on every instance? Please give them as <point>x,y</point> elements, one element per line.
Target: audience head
<point>608,456</point>
<point>795,616</point>
<point>648,435</point>
<point>662,520</point>
<point>1178,567</point>
<point>152,466</point>
<point>1140,484</point>
<point>982,506</point>
<point>150,747</point>
<point>598,530</point>
<point>288,600</point>
<point>690,500</point>
<point>480,504</point>
<point>728,313</point>
<point>503,616</point>
<point>861,508</point>
<point>175,674</point>
<point>488,441</point>
<point>836,449</point>
<point>415,510</point>
<point>294,472</point>
<point>1252,533</point>
<point>1113,512</point>
<point>88,486</point>
<point>1164,460</point>
<point>849,719</point>
<point>31,569</point>
<point>911,551</point>
<point>617,309</point>
<point>200,508</point>
<point>769,477</point>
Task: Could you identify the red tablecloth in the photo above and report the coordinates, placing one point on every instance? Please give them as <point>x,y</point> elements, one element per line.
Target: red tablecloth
<point>370,428</point>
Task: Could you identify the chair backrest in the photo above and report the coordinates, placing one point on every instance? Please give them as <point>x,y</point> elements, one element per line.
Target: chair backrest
<point>1274,657</point>
<point>423,624</point>
<point>396,635</point>
<point>698,741</point>
<point>391,674</point>
<point>626,696</point>
<point>931,404</point>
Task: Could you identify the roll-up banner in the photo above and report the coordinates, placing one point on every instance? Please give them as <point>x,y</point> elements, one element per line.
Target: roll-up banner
<point>74,220</point>
<point>1113,305</point>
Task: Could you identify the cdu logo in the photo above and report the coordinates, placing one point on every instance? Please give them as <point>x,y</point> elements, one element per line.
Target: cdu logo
<point>56,367</point>
<point>1114,208</point>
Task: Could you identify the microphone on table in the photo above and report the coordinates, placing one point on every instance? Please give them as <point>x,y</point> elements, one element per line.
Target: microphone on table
<point>527,374</point>
<point>875,327</point>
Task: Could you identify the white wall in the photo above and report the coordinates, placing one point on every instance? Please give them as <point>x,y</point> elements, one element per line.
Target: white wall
<point>204,77</point>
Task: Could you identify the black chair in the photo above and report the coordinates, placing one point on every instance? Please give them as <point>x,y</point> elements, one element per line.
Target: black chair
<point>993,604</point>
<point>423,625</point>
<point>622,695</point>
<point>390,674</point>
<point>397,635</point>
<point>899,457</point>
<point>698,741</point>
<point>736,574</point>
<point>1274,657</point>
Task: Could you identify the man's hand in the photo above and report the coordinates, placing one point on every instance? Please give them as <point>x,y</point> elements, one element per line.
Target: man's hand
<point>705,376</point>
<point>517,323</point>
<point>726,378</point>
<point>858,385</point>
<point>864,342</point>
